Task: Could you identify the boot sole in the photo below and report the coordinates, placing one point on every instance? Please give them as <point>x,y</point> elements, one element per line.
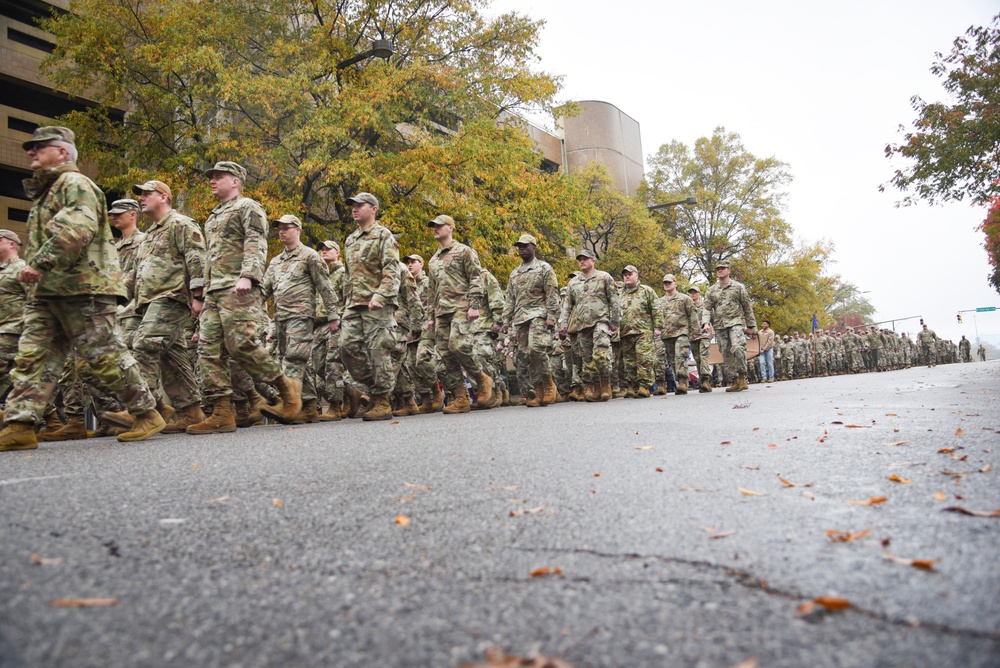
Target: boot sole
<point>153,432</point>
<point>117,422</point>
<point>225,429</point>
<point>19,446</point>
<point>279,417</point>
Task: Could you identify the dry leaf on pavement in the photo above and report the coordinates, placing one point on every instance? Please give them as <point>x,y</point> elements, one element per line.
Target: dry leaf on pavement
<point>895,443</point>
<point>217,500</point>
<point>746,663</point>
<point>46,561</point>
<point>974,513</point>
<point>902,481</point>
<point>945,451</point>
<point>750,492</point>
<point>844,536</point>
<point>402,520</point>
<point>875,500</point>
<point>829,603</point>
<point>959,432</point>
<point>277,502</point>
<point>925,564</point>
<point>749,468</point>
<point>497,658</point>
<point>721,534</point>
<point>643,447</point>
<point>545,571</point>
<point>939,496</point>
<point>526,511</point>
<point>411,485</point>
<point>986,469</point>
<point>855,426</point>
<point>82,602</point>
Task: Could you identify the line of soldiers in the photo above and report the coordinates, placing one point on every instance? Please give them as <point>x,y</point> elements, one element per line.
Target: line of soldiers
<point>169,329</point>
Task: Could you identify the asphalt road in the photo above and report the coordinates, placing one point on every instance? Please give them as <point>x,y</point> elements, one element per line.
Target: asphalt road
<point>280,546</point>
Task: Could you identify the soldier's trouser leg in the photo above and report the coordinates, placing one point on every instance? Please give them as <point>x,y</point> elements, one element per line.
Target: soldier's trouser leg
<point>426,364</point>
<point>533,348</point>
<point>8,351</point>
<point>630,362</point>
<point>51,329</point>
<point>455,339</point>
<point>317,357</point>
<point>367,342</point>
<point>677,353</point>
<point>485,355</point>
<point>733,346</point>
<point>410,371</point>
<point>160,349</point>
<point>229,324</point>
<point>242,384</point>
<point>699,350</point>
<point>617,370</point>
<point>660,365</point>
<point>295,336</point>
<point>334,368</point>
<point>404,381</point>
<point>593,347</point>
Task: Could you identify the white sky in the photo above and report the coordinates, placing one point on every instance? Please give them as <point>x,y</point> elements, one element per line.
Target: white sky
<point>821,86</point>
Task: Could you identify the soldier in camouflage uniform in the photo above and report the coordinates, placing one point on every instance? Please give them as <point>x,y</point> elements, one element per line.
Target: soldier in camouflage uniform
<point>296,279</point>
<point>456,295</point>
<point>640,318</point>
<point>408,317</point>
<point>731,312</point>
<point>532,309</point>
<point>168,281</point>
<point>236,235</point>
<point>371,296</point>
<point>591,312</point>
<point>928,346</point>
<point>678,317</point>
<point>13,295</point>
<point>490,318</point>
<point>965,349</point>
<point>422,356</point>
<point>73,272</point>
<point>123,215</point>
<point>701,342</point>
<point>328,366</point>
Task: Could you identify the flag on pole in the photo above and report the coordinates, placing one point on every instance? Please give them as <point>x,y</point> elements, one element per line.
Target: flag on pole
<point>815,323</point>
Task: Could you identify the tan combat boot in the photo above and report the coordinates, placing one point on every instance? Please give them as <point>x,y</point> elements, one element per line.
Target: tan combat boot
<point>290,405</point>
<point>592,391</point>
<point>576,393</point>
<point>409,406</point>
<point>120,418</point>
<point>356,401</point>
<point>629,393</point>
<point>105,429</point>
<point>256,402</point>
<point>309,413</point>
<point>184,418</point>
<point>537,396</point>
<point>706,384</point>
<point>221,421</point>
<point>459,401</point>
<point>743,382</point>
<point>661,389</point>
<point>381,408</point>
<point>682,385</point>
<point>506,397</point>
<point>549,391</point>
<point>166,411</point>
<point>484,386</point>
<point>18,436</point>
<point>735,385</point>
<point>605,385</point>
<point>243,419</point>
<point>334,412</point>
<point>437,400</point>
<point>146,425</point>
<point>73,430</point>
<point>642,393</point>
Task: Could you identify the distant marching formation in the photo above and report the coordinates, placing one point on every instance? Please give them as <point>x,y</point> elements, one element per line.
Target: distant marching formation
<point>169,330</point>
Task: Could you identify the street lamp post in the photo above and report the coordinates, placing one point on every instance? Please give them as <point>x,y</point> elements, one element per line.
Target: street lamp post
<point>689,201</point>
<point>381,48</point>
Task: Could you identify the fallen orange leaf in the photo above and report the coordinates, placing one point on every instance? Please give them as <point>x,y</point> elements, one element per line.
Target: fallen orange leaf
<point>545,571</point>
<point>903,481</point>
<point>402,520</point>
<point>756,428</point>
<point>875,500</point>
<point>277,502</point>
<point>726,443</point>
<point>394,422</point>
<point>844,536</point>
<point>831,603</point>
<point>855,426</point>
<point>890,415</point>
<point>959,432</point>
<point>785,482</point>
<point>939,496</point>
<point>659,470</point>
<point>944,451</point>
<point>411,485</point>
<point>497,658</point>
<point>217,500</point>
<point>974,513</point>
<point>44,561</point>
<point>772,447</point>
<point>82,602</point>
<point>986,469</point>
<point>925,564</point>
<point>750,492</point>
<point>597,475</point>
<point>721,534</point>
<point>895,443</point>
<point>526,511</point>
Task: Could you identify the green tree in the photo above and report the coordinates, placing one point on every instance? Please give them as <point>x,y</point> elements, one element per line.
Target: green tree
<point>257,81</point>
<point>740,199</point>
<point>953,149</point>
<point>848,300</point>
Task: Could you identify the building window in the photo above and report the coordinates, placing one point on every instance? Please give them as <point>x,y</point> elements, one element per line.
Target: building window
<point>21,125</point>
<point>15,35</point>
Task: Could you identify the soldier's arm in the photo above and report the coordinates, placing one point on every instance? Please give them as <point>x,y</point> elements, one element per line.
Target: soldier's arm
<point>507,317</point>
<point>496,298</point>
<point>473,271</point>
<point>192,247</point>
<point>72,228</point>
<point>614,302</point>
<point>320,275</point>
<point>552,295</point>
<point>267,285</point>
<point>407,284</point>
<point>388,288</point>
<point>655,313</point>
<point>254,242</point>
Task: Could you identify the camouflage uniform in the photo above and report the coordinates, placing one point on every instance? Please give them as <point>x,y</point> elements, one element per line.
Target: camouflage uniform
<point>678,318</point>
<point>640,317</point>
<point>170,264</point>
<point>368,339</point>
<point>492,313</point>
<point>74,303</point>
<point>592,305</point>
<point>409,316</point>
<point>328,365</point>
<point>928,346</point>
<point>533,298</point>
<point>421,350</point>
<point>455,287</point>
<point>128,253</point>
<point>294,279</point>
<point>236,234</point>
<point>965,349</point>
<point>12,297</point>
<point>731,314</point>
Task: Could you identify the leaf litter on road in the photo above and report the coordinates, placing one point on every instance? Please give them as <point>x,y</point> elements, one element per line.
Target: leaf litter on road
<point>924,564</point>
<point>46,561</point>
<point>846,536</point>
<point>873,501</point>
<point>497,658</point>
<point>83,602</point>
<point>973,513</point>
<point>827,603</point>
<point>545,570</point>
<point>526,511</point>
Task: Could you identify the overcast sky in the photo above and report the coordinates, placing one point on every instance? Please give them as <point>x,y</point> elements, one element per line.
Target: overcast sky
<point>822,87</point>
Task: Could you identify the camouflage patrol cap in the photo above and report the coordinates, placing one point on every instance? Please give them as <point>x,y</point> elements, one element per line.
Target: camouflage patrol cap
<point>694,288</point>
<point>525,239</point>
<point>331,245</point>
<point>413,258</point>
<point>630,269</point>
<point>236,169</point>
<point>123,205</point>
<point>722,263</point>
<point>50,133</point>
<point>442,220</point>
<point>363,198</point>
<point>587,254</point>
<point>152,186</point>
<point>10,234</point>
<point>669,278</point>
<point>289,219</point>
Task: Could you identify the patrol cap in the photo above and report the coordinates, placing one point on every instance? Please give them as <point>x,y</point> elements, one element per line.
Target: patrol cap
<point>442,220</point>
<point>331,244</point>
<point>50,133</point>
<point>630,269</point>
<point>123,205</point>
<point>152,186</point>
<point>289,219</point>
<point>413,258</point>
<point>363,198</point>
<point>669,278</point>
<point>237,170</point>
<point>722,263</point>
<point>525,239</point>
<point>9,234</point>
<point>694,288</point>
<point>587,254</point>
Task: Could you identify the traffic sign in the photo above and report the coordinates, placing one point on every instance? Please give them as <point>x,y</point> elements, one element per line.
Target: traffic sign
<point>986,308</point>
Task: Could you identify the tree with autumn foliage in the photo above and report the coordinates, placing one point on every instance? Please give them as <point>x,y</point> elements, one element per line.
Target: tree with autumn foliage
<point>257,81</point>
